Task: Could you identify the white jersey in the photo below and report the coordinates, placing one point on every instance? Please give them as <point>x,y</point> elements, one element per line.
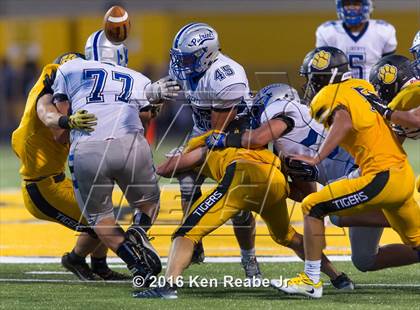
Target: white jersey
<point>114,94</point>
<point>305,136</point>
<point>363,49</point>
<point>223,85</point>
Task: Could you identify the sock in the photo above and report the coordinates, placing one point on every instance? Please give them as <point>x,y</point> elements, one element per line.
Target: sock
<point>247,254</point>
<point>76,258</point>
<point>99,263</point>
<point>313,270</point>
<point>143,220</point>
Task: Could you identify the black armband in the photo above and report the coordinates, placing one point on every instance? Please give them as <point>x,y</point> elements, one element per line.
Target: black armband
<point>63,122</point>
<point>234,140</point>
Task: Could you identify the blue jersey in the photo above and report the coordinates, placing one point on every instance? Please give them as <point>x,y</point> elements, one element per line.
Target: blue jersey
<point>114,94</point>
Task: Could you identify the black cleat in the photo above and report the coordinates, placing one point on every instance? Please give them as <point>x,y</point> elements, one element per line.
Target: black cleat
<point>343,283</point>
<point>79,269</point>
<point>198,254</point>
<point>165,292</point>
<point>111,275</point>
<point>147,252</point>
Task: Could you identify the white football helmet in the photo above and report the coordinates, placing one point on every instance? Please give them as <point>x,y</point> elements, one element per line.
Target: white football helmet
<point>99,48</point>
<point>195,47</point>
<point>278,93</point>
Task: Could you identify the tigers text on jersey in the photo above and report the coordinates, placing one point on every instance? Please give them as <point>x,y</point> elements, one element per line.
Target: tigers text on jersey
<point>371,142</point>
<point>114,94</point>
<point>305,138</point>
<point>33,142</point>
<point>223,85</point>
<point>363,49</point>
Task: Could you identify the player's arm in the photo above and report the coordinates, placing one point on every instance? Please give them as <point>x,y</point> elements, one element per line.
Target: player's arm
<point>183,162</point>
<point>410,119</point>
<point>220,118</point>
<point>267,132</point>
<point>341,125</point>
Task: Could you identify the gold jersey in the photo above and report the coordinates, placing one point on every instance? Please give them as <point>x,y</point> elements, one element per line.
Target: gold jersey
<point>371,141</point>
<point>407,99</point>
<point>33,142</point>
<point>218,160</point>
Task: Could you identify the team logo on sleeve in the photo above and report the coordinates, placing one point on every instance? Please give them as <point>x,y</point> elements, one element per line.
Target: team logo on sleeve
<point>321,60</point>
<point>68,57</point>
<point>387,74</point>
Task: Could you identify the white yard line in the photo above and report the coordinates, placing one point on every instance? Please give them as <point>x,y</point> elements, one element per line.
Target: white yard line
<point>117,260</point>
<point>366,285</point>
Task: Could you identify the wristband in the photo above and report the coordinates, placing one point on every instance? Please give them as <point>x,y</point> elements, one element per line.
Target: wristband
<point>63,122</point>
<point>234,140</point>
<point>387,114</point>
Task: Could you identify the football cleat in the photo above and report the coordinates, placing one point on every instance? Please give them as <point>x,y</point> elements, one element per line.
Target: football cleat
<point>165,292</point>
<point>79,269</point>
<point>111,275</point>
<point>198,254</point>
<point>343,283</point>
<point>251,267</point>
<point>300,285</point>
<point>146,251</point>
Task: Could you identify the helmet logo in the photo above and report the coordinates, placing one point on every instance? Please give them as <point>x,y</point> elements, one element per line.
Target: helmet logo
<point>321,60</point>
<point>202,37</point>
<point>387,74</point>
<point>67,58</point>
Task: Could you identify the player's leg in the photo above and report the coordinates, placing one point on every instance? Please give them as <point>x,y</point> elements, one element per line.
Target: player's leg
<point>190,185</point>
<point>52,199</point>
<point>93,186</point>
<point>137,179</point>
<point>208,213</point>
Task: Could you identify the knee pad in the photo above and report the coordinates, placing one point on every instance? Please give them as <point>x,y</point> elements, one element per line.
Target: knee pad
<point>243,218</point>
<point>363,263</point>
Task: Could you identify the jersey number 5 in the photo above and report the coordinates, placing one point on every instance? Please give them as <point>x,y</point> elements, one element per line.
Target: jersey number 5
<point>99,76</point>
<point>356,62</point>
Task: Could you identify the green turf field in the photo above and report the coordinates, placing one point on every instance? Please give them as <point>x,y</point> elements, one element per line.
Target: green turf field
<point>397,288</point>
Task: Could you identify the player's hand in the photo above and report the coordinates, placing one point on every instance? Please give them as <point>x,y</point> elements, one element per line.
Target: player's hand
<point>300,170</point>
<point>163,89</point>
<point>216,140</point>
<point>82,120</point>
<point>307,159</point>
<point>48,82</point>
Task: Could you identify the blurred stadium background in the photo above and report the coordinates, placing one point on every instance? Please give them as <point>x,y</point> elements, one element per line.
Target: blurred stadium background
<point>265,36</point>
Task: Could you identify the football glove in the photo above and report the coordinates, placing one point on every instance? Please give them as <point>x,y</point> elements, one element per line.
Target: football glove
<point>300,170</point>
<point>81,120</point>
<point>48,83</point>
<point>376,103</point>
<point>216,140</point>
<point>163,89</point>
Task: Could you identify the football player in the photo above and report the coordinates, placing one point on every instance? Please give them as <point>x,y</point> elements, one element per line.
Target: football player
<point>248,180</point>
<point>364,40</point>
<point>415,51</point>
<point>47,193</point>
<point>116,151</point>
<point>214,85</point>
<point>387,179</point>
<point>398,84</point>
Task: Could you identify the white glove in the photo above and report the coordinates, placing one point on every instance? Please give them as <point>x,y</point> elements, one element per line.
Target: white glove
<point>164,89</point>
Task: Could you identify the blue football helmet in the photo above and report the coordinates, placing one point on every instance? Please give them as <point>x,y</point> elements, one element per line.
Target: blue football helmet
<point>415,50</point>
<point>354,16</point>
<point>99,48</point>
<point>195,47</point>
